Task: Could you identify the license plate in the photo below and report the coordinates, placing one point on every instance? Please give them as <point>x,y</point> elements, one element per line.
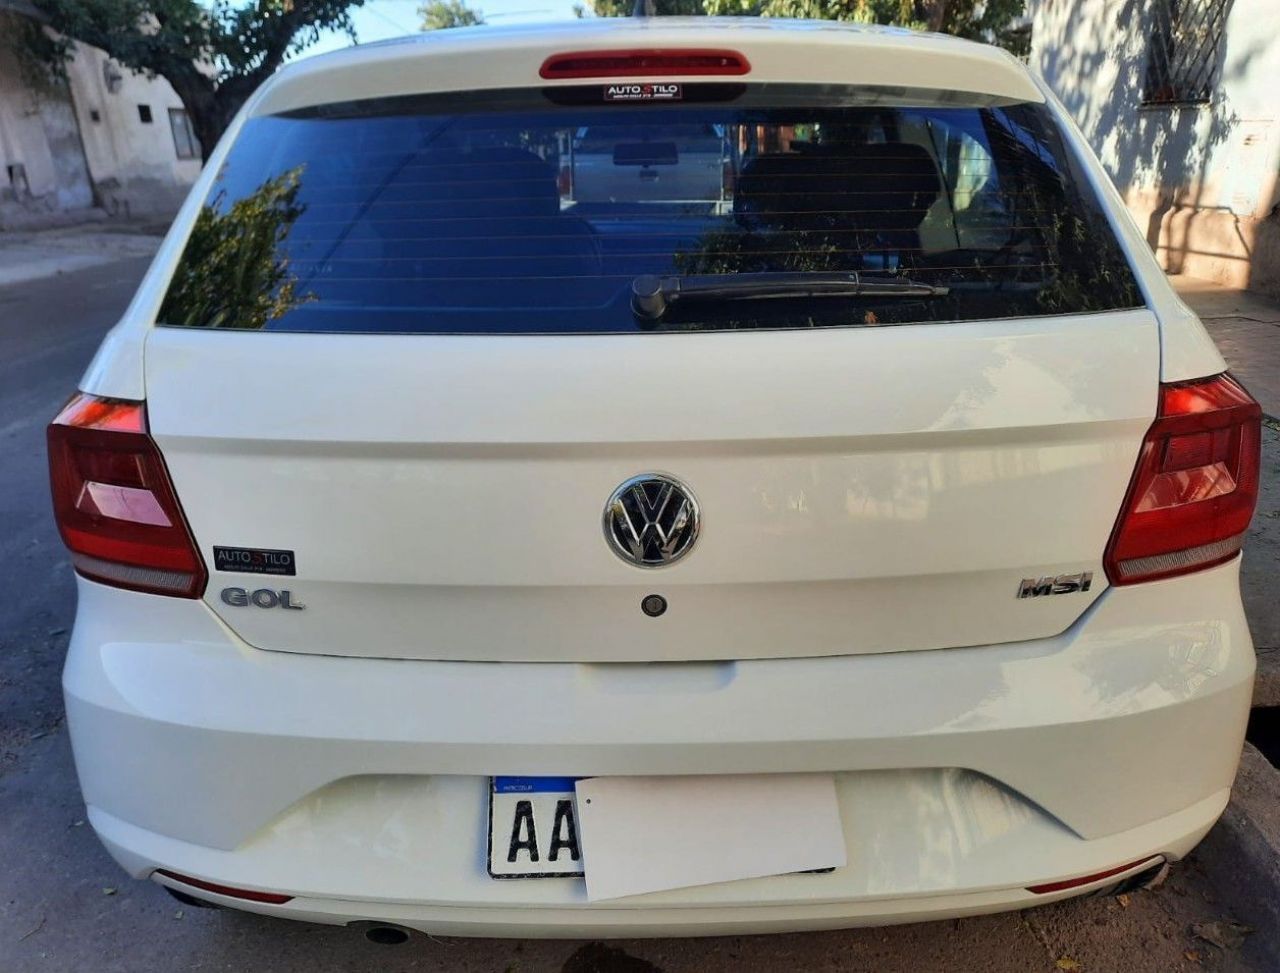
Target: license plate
<point>533,828</point>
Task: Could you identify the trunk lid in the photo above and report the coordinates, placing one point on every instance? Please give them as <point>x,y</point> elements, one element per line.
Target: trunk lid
<point>861,490</point>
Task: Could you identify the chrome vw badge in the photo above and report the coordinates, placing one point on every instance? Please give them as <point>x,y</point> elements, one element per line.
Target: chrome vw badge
<point>651,520</point>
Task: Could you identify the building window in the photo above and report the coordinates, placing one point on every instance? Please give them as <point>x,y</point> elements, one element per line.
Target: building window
<point>144,114</point>
<point>1183,54</point>
<point>184,136</point>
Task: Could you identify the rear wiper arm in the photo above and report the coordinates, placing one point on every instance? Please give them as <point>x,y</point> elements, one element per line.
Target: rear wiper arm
<point>652,295</point>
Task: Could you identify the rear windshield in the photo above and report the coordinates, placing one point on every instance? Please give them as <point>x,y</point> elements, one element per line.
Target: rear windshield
<point>548,211</point>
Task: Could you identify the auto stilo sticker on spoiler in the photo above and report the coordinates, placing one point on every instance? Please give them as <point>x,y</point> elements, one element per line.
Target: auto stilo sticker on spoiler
<point>644,91</point>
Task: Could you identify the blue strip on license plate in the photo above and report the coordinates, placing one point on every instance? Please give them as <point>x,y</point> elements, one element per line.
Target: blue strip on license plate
<point>534,785</point>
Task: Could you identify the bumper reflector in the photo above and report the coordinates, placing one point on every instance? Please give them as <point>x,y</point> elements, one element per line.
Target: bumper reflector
<point>1075,883</point>
<point>271,898</point>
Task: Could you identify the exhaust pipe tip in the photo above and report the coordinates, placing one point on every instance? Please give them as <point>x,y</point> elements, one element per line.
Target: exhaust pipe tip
<point>386,935</point>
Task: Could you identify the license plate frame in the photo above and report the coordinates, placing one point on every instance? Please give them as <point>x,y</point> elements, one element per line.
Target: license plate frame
<point>545,796</point>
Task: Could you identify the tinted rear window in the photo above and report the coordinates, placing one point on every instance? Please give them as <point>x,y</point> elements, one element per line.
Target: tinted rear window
<point>508,213</point>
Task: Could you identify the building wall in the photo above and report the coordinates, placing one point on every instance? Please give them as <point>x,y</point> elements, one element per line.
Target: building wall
<point>42,168</point>
<point>134,164</point>
<point>82,144</point>
<point>1202,181</point>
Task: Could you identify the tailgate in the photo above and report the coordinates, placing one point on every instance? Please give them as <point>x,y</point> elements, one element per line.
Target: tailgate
<point>861,490</point>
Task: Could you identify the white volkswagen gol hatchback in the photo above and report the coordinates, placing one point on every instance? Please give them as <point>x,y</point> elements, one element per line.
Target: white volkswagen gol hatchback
<point>852,541</point>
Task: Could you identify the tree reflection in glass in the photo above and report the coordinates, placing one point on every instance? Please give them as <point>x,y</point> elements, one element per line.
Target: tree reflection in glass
<point>235,271</point>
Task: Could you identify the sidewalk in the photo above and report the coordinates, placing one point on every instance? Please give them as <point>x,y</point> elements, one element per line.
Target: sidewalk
<point>35,254</point>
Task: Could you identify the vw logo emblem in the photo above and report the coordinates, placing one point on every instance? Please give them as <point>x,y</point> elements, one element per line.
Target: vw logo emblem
<point>651,520</point>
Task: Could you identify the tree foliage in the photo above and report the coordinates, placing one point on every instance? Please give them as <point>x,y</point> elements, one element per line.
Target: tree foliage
<point>442,14</point>
<point>38,56</point>
<point>214,54</point>
<point>235,272</point>
<point>661,8</point>
<point>993,21</point>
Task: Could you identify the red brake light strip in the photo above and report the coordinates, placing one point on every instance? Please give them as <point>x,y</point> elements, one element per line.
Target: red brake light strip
<point>645,63</point>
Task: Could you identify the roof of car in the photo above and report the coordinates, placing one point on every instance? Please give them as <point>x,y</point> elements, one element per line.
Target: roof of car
<point>779,50</point>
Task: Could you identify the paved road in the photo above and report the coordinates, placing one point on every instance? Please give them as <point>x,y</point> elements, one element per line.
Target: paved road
<point>64,906</point>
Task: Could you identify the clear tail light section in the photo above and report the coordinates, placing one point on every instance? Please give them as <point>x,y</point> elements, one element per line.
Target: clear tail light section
<point>1195,486</point>
<point>114,502</point>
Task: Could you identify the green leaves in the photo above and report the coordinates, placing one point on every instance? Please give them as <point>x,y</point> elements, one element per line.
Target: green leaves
<point>442,14</point>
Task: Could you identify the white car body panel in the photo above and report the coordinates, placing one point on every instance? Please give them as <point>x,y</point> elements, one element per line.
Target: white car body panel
<point>444,473</point>
<point>904,478</point>
<point>361,749</point>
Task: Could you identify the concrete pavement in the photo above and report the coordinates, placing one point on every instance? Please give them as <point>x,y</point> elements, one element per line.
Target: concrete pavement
<point>33,255</point>
<point>65,906</point>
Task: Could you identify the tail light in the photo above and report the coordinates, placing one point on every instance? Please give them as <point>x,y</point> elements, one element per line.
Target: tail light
<point>114,503</point>
<point>1195,485</point>
<point>649,63</point>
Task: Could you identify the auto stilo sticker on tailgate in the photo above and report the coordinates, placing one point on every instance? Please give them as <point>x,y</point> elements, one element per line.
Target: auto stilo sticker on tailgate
<point>254,560</point>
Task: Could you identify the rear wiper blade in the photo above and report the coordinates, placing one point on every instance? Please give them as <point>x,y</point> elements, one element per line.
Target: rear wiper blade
<point>652,295</point>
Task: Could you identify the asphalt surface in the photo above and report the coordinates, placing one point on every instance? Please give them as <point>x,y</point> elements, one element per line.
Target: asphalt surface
<point>65,906</point>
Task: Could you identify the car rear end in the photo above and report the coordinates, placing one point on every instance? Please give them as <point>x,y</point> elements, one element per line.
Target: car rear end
<point>390,500</point>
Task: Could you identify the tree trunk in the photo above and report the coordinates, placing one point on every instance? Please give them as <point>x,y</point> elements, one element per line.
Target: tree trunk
<point>208,130</point>
<point>933,12</point>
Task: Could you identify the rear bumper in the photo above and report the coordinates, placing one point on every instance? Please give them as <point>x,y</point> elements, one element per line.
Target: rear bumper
<point>887,854</point>
<point>358,785</point>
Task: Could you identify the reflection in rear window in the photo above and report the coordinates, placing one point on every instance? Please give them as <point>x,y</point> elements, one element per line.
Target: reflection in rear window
<point>513,214</point>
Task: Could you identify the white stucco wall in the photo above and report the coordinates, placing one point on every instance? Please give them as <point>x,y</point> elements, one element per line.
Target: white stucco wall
<point>134,165</point>
<point>1201,180</point>
<point>72,160</point>
<point>38,133</point>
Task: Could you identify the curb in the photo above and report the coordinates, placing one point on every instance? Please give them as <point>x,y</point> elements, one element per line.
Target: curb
<point>1266,683</point>
<point>1241,855</point>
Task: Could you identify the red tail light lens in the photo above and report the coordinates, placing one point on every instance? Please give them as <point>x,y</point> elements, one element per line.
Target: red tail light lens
<point>651,63</point>
<point>113,501</point>
<point>1195,486</point>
